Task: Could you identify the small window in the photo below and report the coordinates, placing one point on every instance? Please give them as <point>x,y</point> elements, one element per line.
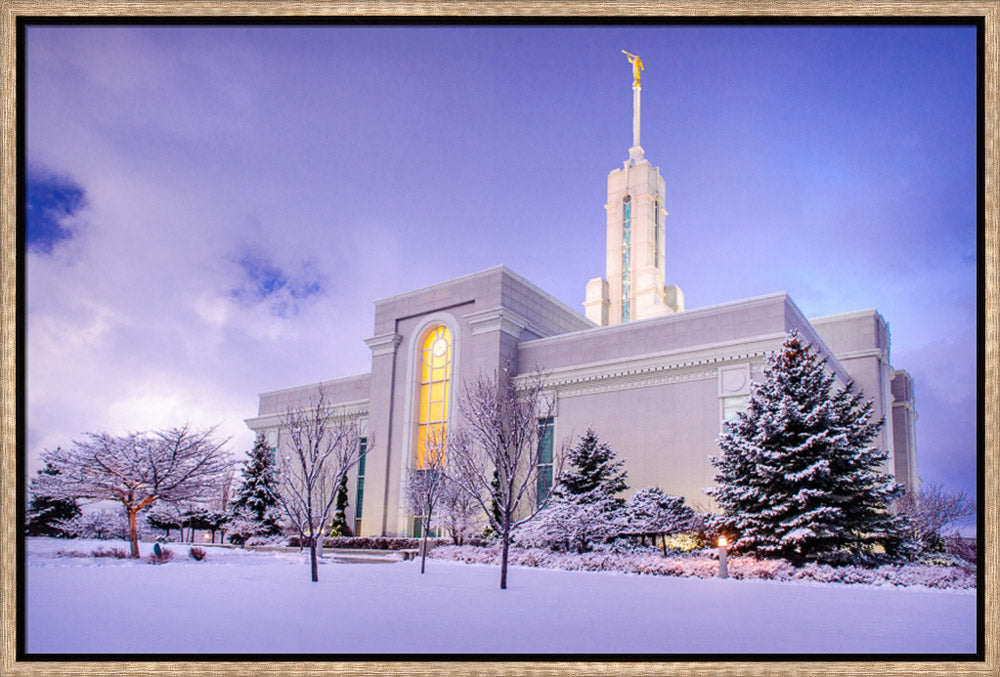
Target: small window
<point>732,405</point>
<point>360,493</point>
<point>545,440</point>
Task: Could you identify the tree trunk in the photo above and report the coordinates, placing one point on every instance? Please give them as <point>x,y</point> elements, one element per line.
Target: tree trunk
<point>423,548</point>
<point>663,537</point>
<point>133,534</point>
<point>505,545</point>
<point>314,560</point>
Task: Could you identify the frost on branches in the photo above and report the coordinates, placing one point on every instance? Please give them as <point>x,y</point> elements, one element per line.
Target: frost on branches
<point>651,511</point>
<point>798,477</point>
<point>495,457</point>
<point>322,446</point>
<point>137,470</point>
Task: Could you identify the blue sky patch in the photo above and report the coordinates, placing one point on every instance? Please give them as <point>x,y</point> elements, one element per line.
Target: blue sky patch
<point>51,199</point>
<point>266,281</point>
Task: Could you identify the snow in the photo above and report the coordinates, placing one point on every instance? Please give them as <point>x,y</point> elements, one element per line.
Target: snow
<point>263,602</point>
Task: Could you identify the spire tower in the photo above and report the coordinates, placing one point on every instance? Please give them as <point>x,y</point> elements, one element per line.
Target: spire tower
<point>633,288</point>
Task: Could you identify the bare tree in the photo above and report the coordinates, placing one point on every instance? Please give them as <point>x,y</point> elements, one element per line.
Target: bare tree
<point>321,448</point>
<point>139,469</point>
<point>500,434</point>
<point>425,485</point>
<point>931,509</point>
<point>459,513</point>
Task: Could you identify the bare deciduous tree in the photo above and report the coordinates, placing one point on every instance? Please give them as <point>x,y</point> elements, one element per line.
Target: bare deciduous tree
<point>139,469</point>
<point>322,446</point>
<point>500,434</point>
<point>426,485</point>
<point>929,510</point>
<point>459,513</point>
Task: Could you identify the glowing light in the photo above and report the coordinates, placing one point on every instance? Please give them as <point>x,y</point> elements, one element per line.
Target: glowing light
<point>722,541</point>
<point>433,395</point>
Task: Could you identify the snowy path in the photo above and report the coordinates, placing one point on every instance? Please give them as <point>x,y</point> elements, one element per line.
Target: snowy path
<point>233,603</point>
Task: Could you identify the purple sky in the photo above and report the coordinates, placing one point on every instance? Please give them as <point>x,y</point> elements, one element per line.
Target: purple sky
<point>213,210</point>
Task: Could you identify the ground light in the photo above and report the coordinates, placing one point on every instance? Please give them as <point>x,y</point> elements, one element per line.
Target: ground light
<point>723,557</point>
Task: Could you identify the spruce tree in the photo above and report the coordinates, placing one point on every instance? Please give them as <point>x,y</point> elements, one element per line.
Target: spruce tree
<point>799,477</point>
<point>584,507</point>
<point>255,512</point>
<point>593,473</point>
<point>45,513</point>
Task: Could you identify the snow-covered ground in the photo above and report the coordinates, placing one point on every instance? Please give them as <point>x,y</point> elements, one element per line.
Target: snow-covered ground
<point>239,602</point>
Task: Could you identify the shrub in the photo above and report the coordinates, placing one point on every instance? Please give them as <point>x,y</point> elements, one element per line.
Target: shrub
<point>197,554</point>
<point>70,553</point>
<point>161,555</point>
<point>117,553</point>
<point>705,565</point>
<point>101,525</point>
<point>372,542</point>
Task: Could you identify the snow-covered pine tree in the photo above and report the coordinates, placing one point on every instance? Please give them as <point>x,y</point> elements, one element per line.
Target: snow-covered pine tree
<point>255,510</point>
<point>45,513</point>
<point>592,472</point>
<point>798,476</point>
<point>584,506</point>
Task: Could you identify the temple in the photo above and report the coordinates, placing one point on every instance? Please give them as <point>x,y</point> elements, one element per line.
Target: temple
<point>654,380</point>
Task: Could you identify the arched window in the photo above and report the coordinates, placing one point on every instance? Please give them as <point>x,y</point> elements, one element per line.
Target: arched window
<point>434,389</point>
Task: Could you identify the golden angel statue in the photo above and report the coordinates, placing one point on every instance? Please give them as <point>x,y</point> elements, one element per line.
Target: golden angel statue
<point>636,66</point>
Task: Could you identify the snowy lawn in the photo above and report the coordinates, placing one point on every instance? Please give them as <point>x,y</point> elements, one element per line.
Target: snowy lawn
<point>239,602</point>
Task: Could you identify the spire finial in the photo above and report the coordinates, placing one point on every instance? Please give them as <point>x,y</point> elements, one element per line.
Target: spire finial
<point>636,67</point>
<point>635,152</point>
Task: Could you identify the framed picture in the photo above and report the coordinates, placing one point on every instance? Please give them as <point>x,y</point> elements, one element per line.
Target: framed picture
<point>516,338</point>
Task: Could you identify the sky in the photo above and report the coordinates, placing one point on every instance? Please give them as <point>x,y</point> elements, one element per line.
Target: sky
<point>213,210</point>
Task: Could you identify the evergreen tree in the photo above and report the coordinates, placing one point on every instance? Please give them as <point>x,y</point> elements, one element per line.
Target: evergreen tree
<point>593,473</point>
<point>339,526</point>
<point>255,510</point>
<point>798,476</point>
<point>583,507</point>
<point>46,513</point>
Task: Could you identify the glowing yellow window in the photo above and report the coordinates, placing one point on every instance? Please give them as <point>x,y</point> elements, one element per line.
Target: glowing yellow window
<point>435,378</point>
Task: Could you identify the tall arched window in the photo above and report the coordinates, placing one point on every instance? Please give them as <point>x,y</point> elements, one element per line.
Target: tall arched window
<point>434,389</point>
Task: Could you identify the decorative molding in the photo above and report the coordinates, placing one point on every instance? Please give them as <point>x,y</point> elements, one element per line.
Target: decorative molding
<point>654,371</point>
<point>342,410</point>
<point>734,380</point>
<point>500,319</point>
<point>385,344</point>
<point>880,354</point>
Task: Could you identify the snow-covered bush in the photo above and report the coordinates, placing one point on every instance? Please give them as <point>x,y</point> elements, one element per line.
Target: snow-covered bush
<point>704,564</point>
<point>649,511</point>
<point>197,554</point>
<point>570,524</point>
<point>117,553</point>
<point>102,525</point>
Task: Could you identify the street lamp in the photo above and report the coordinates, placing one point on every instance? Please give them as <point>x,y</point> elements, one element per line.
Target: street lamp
<point>723,557</point>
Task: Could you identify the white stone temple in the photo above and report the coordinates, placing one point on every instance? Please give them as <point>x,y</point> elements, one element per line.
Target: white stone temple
<point>653,379</point>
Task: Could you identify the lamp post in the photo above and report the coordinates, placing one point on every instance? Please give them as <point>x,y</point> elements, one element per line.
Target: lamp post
<point>723,557</point>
